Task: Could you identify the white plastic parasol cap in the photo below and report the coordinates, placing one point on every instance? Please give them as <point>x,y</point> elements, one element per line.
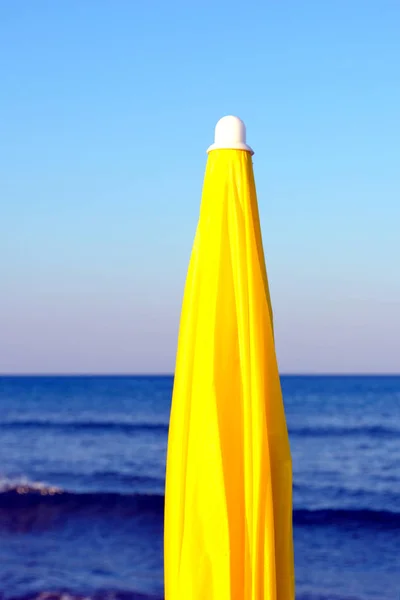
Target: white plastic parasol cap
<point>230,133</point>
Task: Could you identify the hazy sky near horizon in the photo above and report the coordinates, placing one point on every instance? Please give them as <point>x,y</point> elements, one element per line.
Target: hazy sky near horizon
<point>107,109</point>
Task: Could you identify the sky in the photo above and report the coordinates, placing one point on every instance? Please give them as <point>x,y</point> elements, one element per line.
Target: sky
<point>106,112</point>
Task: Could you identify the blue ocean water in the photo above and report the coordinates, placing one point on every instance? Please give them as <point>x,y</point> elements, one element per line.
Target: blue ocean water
<point>82,483</point>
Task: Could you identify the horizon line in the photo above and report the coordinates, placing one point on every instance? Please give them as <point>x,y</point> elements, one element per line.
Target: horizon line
<point>171,374</point>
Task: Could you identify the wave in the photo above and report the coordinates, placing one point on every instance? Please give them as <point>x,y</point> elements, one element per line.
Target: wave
<point>130,595</point>
<point>70,595</point>
<point>324,596</point>
<point>340,430</point>
<point>111,594</point>
<point>34,498</point>
<point>337,517</point>
<point>22,497</point>
<point>162,427</point>
<point>119,426</point>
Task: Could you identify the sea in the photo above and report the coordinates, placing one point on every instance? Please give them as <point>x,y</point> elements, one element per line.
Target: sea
<point>82,465</point>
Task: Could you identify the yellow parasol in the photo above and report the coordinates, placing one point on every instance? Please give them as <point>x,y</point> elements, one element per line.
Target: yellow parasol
<point>228,500</point>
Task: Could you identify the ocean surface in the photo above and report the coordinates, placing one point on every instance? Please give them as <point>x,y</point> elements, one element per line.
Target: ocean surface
<point>82,482</point>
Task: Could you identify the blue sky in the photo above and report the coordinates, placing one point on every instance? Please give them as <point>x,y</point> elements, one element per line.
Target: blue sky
<point>107,109</point>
